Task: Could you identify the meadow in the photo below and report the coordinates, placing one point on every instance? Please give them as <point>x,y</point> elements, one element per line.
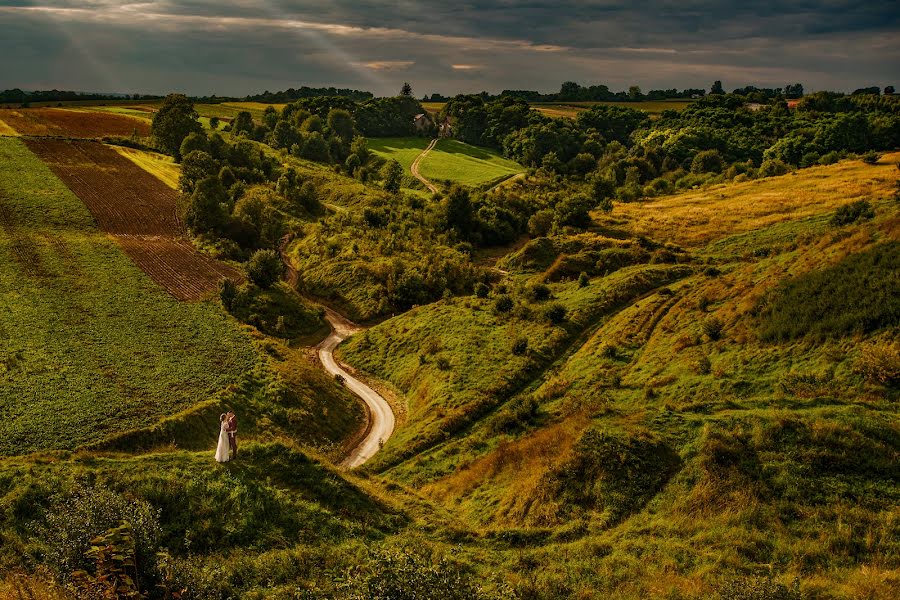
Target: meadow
<point>451,160</point>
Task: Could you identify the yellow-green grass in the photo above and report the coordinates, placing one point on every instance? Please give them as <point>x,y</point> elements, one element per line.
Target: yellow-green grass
<point>229,110</point>
<point>6,130</point>
<point>698,217</point>
<point>571,109</point>
<point>457,162</point>
<point>161,166</point>
<point>146,115</point>
<point>91,346</point>
<point>450,160</point>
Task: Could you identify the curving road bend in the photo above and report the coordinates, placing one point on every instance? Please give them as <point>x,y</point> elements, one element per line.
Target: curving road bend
<point>414,168</point>
<point>381,421</point>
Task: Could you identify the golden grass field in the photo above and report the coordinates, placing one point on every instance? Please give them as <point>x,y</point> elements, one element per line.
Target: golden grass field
<point>695,218</point>
<point>161,166</point>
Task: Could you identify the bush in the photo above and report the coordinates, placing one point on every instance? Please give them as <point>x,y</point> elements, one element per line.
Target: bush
<point>227,293</point>
<point>481,290</point>
<point>871,157</point>
<point>583,280</point>
<point>773,167</point>
<point>555,313</point>
<point>537,292</point>
<point>265,268</point>
<point>707,161</point>
<point>87,513</point>
<point>879,362</point>
<point>860,210</point>
<point>712,327</point>
<point>503,304</point>
<point>520,345</point>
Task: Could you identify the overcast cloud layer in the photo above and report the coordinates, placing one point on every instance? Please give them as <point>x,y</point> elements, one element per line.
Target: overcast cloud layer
<point>238,47</point>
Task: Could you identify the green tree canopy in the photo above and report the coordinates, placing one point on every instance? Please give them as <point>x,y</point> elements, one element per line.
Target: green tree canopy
<point>174,121</point>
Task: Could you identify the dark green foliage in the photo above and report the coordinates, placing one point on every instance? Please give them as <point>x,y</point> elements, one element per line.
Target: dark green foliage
<point>341,124</point>
<point>503,304</point>
<point>519,345</point>
<point>871,157</point>
<point>555,313</point>
<point>276,311</point>
<point>195,167</point>
<point>388,117</point>
<point>481,290</point>
<point>860,210</point>
<point>537,292</point>
<point>195,141</point>
<point>87,512</point>
<point>457,208</point>
<point>242,123</point>
<point>227,293</point>
<point>391,175</point>
<point>707,161</point>
<point>583,280</point>
<point>859,294</point>
<point>206,210</point>
<point>265,268</point>
<point>613,472</point>
<point>173,122</point>
<point>773,167</point>
<point>407,574</point>
<point>515,416</point>
<point>712,327</point>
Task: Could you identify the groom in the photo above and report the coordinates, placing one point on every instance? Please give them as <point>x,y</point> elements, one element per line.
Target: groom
<point>231,428</point>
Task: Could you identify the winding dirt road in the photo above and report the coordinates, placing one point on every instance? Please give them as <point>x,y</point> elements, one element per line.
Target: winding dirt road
<point>381,417</point>
<point>414,168</point>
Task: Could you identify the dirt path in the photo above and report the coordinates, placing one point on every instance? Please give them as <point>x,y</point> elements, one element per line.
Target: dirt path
<point>381,416</point>
<point>381,421</point>
<point>414,168</point>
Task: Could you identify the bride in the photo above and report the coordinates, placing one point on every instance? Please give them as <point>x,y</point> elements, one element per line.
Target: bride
<point>223,450</point>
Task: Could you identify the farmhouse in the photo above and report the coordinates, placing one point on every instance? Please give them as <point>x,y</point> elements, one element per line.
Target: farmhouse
<point>422,122</point>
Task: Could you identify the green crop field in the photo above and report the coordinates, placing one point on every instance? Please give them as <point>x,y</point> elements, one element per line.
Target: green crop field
<point>89,346</point>
<point>450,160</point>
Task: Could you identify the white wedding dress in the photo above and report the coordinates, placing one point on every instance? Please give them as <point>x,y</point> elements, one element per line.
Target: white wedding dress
<point>223,450</point>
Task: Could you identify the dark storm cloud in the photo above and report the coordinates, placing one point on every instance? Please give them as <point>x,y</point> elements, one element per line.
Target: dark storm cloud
<point>236,46</point>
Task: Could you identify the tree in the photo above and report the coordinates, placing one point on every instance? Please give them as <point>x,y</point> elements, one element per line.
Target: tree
<point>634,93</point>
<point>270,117</point>
<point>458,211</point>
<point>392,174</point>
<point>174,121</point>
<point>206,211</point>
<point>707,161</point>
<point>242,124</point>
<point>716,88</point>
<point>194,141</point>
<point>888,90</point>
<point>406,90</point>
<point>265,268</point>
<point>284,135</point>
<point>214,123</point>
<point>340,121</point>
<point>196,166</point>
<point>315,147</point>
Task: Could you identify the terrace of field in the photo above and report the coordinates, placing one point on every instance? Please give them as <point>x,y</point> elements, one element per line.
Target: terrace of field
<point>137,208</point>
<point>89,345</point>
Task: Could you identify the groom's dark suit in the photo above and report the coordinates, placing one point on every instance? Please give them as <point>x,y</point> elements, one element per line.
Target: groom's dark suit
<point>231,428</point>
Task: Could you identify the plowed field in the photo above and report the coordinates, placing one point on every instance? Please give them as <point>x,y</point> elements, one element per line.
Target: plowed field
<point>72,123</point>
<point>136,208</point>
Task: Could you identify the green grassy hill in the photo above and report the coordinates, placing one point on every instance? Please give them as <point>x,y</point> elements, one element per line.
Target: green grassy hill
<point>450,161</point>
<point>683,421</point>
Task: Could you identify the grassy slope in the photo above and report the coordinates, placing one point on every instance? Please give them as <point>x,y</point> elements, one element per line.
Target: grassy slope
<point>665,456</point>
<point>457,162</point>
<point>450,160</point>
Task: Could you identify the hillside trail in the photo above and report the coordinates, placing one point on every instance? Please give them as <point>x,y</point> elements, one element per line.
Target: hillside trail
<point>380,415</point>
<point>414,168</point>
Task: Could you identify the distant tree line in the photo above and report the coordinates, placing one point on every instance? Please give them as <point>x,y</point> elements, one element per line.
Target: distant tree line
<point>291,95</point>
<point>21,97</point>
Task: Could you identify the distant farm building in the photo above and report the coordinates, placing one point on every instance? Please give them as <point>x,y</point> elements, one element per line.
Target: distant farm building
<point>422,122</point>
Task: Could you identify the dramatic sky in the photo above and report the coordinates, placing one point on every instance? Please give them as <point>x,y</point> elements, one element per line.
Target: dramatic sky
<point>236,47</point>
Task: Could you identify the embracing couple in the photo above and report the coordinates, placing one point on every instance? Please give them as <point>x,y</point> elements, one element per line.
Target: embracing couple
<point>227,448</point>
